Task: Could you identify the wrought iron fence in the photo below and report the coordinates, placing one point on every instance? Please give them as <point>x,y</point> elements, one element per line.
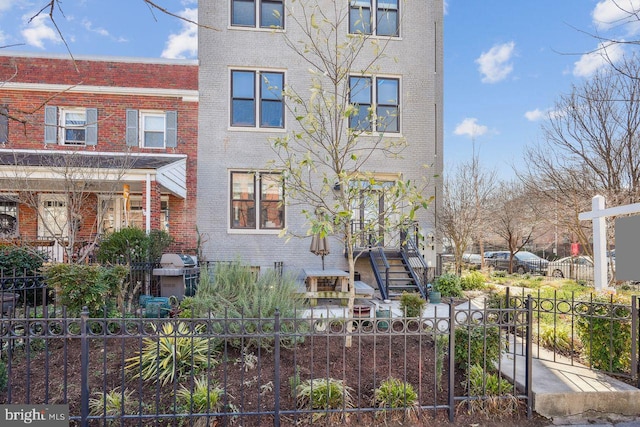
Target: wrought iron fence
<point>266,371</point>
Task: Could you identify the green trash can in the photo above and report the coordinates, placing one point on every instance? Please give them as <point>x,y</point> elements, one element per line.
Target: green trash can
<point>382,319</point>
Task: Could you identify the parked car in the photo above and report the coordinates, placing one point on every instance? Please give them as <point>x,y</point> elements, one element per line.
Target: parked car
<point>472,259</point>
<point>523,262</point>
<point>577,268</point>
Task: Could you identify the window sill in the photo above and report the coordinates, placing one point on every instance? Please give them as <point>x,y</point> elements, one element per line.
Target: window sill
<point>256,129</point>
<point>253,231</point>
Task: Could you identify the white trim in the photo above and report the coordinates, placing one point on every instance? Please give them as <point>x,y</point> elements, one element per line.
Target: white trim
<point>142,130</point>
<point>62,134</point>
<point>185,94</point>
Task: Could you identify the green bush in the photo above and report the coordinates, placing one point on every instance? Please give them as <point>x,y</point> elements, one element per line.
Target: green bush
<point>476,345</point>
<point>114,403</point>
<point>604,327</point>
<point>393,393</point>
<point>324,393</point>
<point>22,260</point>
<point>556,338</point>
<point>79,285</point>
<point>131,245</point>
<point>412,304</point>
<point>448,285</point>
<point>205,397</point>
<point>172,355</point>
<point>483,383</point>
<point>472,281</point>
<point>232,291</point>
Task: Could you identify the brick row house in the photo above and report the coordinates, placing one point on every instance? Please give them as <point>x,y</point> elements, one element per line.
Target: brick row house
<point>92,145</point>
<point>243,67</point>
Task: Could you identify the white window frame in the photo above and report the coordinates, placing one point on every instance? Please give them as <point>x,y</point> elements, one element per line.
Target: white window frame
<point>257,204</point>
<point>152,114</point>
<point>257,15</point>
<point>374,7</point>
<point>62,135</point>
<point>113,216</point>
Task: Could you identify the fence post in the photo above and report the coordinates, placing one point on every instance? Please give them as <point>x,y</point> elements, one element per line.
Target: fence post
<point>634,337</point>
<point>84,368</point>
<point>276,377</point>
<point>452,365</point>
<point>529,356</point>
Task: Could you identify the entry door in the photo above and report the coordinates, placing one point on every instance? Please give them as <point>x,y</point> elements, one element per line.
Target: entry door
<point>53,221</point>
<point>369,212</point>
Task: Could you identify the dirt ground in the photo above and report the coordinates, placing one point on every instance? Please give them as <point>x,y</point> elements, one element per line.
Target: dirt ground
<point>250,383</point>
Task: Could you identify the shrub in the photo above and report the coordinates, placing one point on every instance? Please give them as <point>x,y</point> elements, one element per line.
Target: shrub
<point>205,397</point>
<point>412,304</point>
<point>557,339</point>
<point>21,260</point>
<point>604,327</point>
<point>79,285</point>
<point>472,281</point>
<point>476,345</point>
<point>324,393</point>
<point>234,292</point>
<point>172,355</point>
<point>393,393</point>
<point>448,285</point>
<point>114,403</point>
<point>4,377</point>
<point>131,245</point>
<point>483,383</point>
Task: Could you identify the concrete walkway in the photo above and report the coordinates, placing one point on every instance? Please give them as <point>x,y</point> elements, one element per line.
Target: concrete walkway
<point>569,394</point>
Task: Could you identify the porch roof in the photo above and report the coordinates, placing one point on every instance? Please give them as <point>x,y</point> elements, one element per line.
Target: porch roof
<point>169,170</point>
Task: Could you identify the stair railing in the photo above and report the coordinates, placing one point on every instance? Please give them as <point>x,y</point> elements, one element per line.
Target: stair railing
<point>409,250</point>
<point>383,285</point>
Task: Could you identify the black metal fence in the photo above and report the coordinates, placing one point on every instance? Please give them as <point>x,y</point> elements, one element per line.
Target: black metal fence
<point>267,371</point>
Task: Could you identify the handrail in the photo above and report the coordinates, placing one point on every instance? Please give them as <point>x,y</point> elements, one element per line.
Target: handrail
<point>382,285</point>
<point>409,249</point>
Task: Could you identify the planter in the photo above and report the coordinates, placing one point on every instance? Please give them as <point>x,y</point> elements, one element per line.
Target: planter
<point>9,301</point>
<point>383,317</point>
<point>435,297</point>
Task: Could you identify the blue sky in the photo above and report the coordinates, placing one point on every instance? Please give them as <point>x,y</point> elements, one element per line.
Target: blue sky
<point>506,61</point>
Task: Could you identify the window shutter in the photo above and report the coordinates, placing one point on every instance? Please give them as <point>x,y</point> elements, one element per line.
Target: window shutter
<point>132,128</point>
<point>171,118</point>
<point>50,124</point>
<point>4,124</point>
<point>91,137</point>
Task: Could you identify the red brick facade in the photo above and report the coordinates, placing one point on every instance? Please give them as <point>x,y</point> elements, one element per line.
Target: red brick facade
<point>111,87</point>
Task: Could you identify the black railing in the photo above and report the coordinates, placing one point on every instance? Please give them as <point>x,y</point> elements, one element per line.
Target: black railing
<point>90,363</point>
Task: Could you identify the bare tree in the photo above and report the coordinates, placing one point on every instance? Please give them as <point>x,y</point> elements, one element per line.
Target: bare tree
<point>591,146</point>
<point>462,214</point>
<point>76,178</point>
<point>514,219</point>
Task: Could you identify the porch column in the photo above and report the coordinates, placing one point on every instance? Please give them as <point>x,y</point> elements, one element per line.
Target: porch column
<point>151,197</point>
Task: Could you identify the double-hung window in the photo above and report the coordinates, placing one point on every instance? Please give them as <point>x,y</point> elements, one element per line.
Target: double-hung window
<point>70,125</point>
<point>257,201</point>
<point>151,129</point>
<point>386,93</point>
<point>377,17</point>
<point>257,13</point>
<point>256,99</point>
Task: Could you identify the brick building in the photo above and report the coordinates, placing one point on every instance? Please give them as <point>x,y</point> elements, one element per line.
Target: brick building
<point>94,145</point>
<point>246,63</point>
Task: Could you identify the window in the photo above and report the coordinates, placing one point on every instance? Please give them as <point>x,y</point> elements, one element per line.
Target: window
<point>250,190</point>
<point>269,12</point>
<point>115,216</point>
<point>386,92</point>
<point>53,217</point>
<point>152,129</point>
<point>383,22</point>
<point>256,97</point>
<point>8,218</point>
<point>70,125</point>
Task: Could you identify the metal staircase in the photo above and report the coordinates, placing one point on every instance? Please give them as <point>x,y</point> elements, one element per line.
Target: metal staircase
<point>398,271</point>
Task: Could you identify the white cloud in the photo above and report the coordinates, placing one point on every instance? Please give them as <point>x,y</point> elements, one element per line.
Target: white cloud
<point>39,31</point>
<point>184,43</point>
<point>591,62</point>
<point>609,14</point>
<point>6,5</point>
<point>88,25</point>
<point>535,115</point>
<point>494,65</point>
<point>470,127</point>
